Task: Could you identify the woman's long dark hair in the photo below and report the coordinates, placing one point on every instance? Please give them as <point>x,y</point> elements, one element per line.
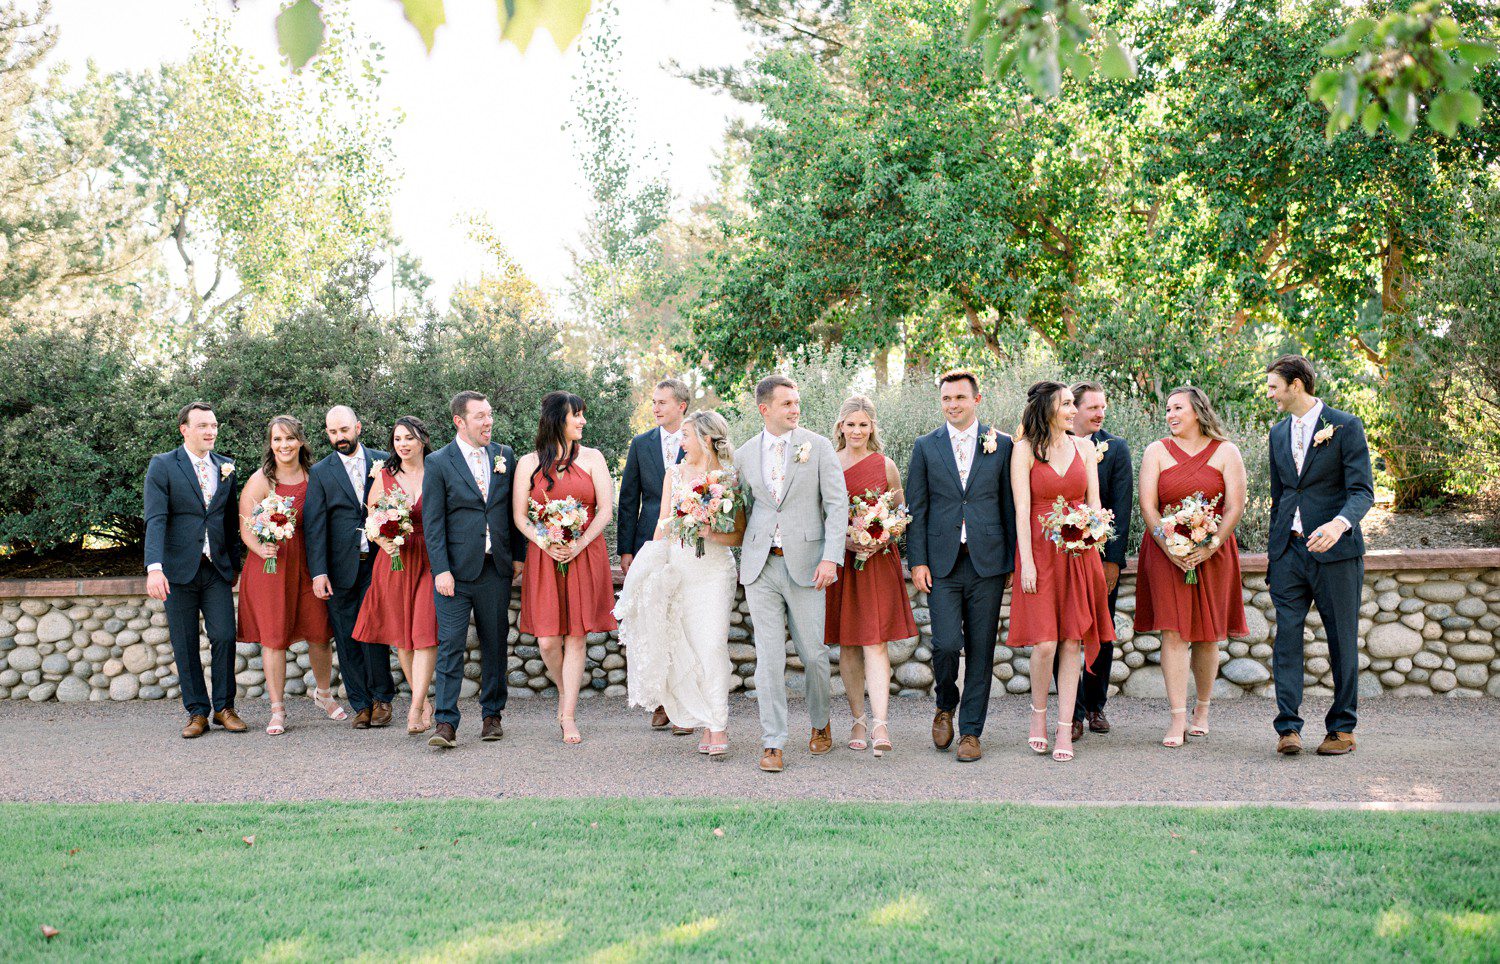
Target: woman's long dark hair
<point>413,425</point>
<point>268,461</point>
<point>552,435</point>
<point>1036,417</point>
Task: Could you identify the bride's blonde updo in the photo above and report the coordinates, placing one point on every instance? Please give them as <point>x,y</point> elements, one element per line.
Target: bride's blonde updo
<point>713,432</point>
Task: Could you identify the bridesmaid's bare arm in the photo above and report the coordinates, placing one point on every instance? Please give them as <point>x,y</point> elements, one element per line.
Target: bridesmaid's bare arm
<point>1150,503</point>
<point>604,497</point>
<point>520,496</point>
<point>893,480</point>
<point>1021,460</point>
<point>1235,489</point>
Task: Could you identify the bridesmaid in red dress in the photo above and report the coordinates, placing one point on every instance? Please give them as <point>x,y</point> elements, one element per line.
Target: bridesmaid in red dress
<point>1197,458</point>
<point>559,609</point>
<point>398,609</point>
<point>868,607</point>
<point>1060,602</point>
<point>279,608</point>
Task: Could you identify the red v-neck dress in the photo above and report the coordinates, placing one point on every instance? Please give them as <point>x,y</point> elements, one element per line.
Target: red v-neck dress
<point>1071,601</point>
<point>280,608</point>
<point>399,609</point>
<point>1213,609</point>
<point>868,607</point>
<point>583,601</point>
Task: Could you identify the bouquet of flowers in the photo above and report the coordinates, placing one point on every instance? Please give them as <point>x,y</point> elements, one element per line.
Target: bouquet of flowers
<point>708,505</point>
<point>558,523</point>
<point>391,520</point>
<point>273,521</point>
<point>875,521</point>
<point>1078,527</point>
<point>1190,525</point>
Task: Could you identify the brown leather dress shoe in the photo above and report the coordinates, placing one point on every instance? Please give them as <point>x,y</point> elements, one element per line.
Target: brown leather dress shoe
<point>1097,722</point>
<point>380,714</point>
<point>361,720</point>
<point>492,730</point>
<point>1290,743</point>
<point>1077,730</point>
<point>445,737</point>
<point>682,730</point>
<point>659,719</point>
<point>1336,744</point>
<point>770,760</point>
<point>942,729</point>
<point>196,727</point>
<point>230,720</point>
<point>821,741</point>
<point>968,748</point>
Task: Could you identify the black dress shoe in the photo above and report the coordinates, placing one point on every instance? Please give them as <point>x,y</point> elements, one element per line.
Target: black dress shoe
<point>1097,722</point>
<point>445,737</point>
<point>492,730</point>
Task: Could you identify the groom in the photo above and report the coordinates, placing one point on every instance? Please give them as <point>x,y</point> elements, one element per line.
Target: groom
<point>794,544</point>
<point>1321,488</point>
<point>471,542</point>
<point>961,545</point>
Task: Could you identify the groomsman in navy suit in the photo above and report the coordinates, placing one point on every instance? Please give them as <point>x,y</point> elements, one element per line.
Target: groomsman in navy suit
<point>193,556</point>
<point>961,546</point>
<point>1117,494</point>
<point>1321,487</point>
<point>475,551</point>
<point>340,558</point>
<point>641,487</point>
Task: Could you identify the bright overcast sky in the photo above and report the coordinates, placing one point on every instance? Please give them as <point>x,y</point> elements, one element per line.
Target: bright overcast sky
<point>483,130</point>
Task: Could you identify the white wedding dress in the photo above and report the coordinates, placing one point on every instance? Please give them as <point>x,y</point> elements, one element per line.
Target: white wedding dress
<point>674,626</point>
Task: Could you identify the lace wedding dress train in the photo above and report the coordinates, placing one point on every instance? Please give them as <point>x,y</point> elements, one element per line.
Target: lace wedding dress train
<point>674,627</point>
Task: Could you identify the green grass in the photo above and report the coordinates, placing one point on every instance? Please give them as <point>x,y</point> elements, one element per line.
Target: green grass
<point>622,880</point>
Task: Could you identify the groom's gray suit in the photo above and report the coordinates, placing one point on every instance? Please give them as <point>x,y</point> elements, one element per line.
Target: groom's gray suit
<point>811,516</point>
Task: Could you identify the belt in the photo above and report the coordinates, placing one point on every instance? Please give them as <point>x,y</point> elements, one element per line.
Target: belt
<point>1298,535</point>
<point>364,555</point>
<point>777,551</point>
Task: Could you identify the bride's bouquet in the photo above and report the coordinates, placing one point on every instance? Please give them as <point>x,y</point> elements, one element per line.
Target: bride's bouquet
<point>559,522</point>
<point>1190,525</point>
<point>1077,527</point>
<point>875,521</point>
<point>707,506</point>
<point>273,521</point>
<point>391,520</point>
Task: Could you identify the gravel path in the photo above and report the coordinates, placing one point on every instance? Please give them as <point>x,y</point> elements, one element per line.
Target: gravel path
<point>1420,753</point>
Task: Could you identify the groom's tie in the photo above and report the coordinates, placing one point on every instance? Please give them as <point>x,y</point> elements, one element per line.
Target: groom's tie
<point>351,467</point>
<point>1299,456</point>
<point>208,496</point>
<point>481,479</point>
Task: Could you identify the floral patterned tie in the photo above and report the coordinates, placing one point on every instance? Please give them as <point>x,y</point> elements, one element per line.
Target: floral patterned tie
<point>481,479</point>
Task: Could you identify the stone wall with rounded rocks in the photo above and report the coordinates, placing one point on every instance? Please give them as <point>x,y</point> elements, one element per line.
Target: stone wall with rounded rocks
<point>1428,626</point>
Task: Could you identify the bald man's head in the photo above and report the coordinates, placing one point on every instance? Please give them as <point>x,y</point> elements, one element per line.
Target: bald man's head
<point>343,429</point>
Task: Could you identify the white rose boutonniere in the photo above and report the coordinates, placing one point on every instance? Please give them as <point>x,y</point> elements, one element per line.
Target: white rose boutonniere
<point>1324,434</point>
<point>226,470</point>
<point>991,441</point>
<point>804,451</point>
<point>375,468</point>
<point>1099,452</point>
<point>499,465</point>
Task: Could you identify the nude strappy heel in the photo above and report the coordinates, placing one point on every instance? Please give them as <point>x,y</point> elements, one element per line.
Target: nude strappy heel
<point>1062,754</point>
<point>1199,730</point>
<point>879,747</point>
<point>860,743</point>
<point>277,726</point>
<point>1038,744</point>
<point>1170,742</point>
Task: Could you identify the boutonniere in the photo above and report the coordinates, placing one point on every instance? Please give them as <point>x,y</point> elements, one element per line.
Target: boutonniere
<point>226,470</point>
<point>1324,434</point>
<point>991,441</point>
<point>1099,452</point>
<point>804,451</point>
<point>499,465</point>
<point>375,468</point>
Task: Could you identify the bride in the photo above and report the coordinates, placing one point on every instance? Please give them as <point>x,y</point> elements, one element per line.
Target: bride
<point>675,605</point>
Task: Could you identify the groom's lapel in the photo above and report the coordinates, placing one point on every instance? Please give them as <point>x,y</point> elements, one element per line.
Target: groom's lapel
<point>944,442</point>
<point>789,471</point>
<point>1312,445</point>
<point>186,464</point>
<point>222,492</point>
<point>464,472</point>
<point>492,452</point>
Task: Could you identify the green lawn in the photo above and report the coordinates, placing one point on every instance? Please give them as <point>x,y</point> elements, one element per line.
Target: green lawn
<point>623,880</point>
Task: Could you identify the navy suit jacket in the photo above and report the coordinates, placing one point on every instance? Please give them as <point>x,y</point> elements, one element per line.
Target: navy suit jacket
<point>454,517</point>
<point>640,492</point>
<point>1335,481</point>
<point>334,516</point>
<point>176,518</point>
<point>941,507</point>
<point>1116,492</point>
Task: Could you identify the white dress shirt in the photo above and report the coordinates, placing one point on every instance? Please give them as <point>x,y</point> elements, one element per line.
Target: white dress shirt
<point>485,473</point>
<point>356,466</point>
<point>773,470</point>
<point>963,443</point>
